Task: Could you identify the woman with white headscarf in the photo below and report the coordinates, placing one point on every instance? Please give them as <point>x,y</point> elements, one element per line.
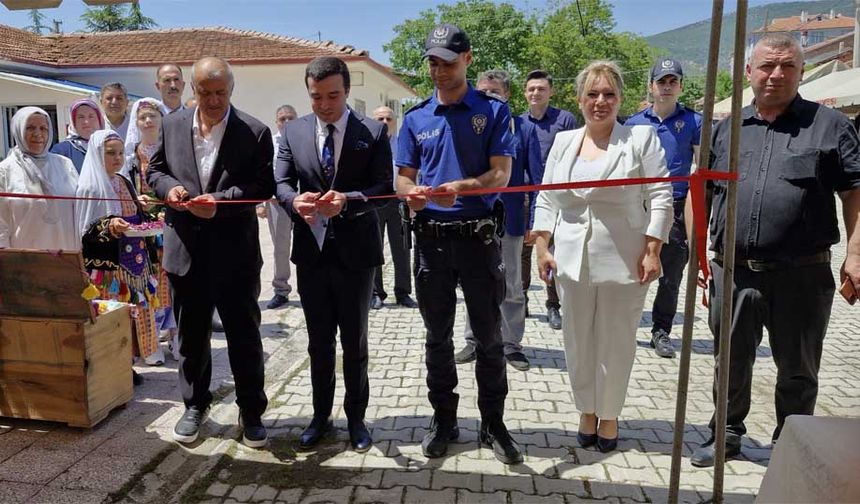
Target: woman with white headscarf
<point>86,119</point>
<point>141,142</point>
<point>123,268</point>
<point>29,168</point>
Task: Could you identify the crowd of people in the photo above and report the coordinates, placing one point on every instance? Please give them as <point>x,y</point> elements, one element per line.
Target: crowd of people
<point>597,249</point>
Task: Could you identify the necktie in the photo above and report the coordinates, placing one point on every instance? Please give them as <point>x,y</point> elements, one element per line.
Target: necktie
<point>328,156</point>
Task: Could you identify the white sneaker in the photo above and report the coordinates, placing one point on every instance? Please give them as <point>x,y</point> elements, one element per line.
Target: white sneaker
<point>156,359</point>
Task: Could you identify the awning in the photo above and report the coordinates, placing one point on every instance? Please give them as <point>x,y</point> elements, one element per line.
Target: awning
<point>65,86</point>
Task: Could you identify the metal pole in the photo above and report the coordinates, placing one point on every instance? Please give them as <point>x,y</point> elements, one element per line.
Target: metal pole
<point>729,254</point>
<point>692,263</point>
<point>856,58</point>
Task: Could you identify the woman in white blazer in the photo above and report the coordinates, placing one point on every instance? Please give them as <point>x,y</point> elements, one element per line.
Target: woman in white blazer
<point>607,246</point>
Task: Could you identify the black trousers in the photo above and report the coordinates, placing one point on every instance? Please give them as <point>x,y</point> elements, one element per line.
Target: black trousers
<point>794,305</point>
<point>440,265</point>
<point>389,218</point>
<point>673,257</point>
<point>195,297</point>
<point>336,297</point>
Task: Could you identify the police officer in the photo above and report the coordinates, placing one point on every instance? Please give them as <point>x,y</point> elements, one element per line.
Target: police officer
<point>679,129</point>
<point>458,139</point>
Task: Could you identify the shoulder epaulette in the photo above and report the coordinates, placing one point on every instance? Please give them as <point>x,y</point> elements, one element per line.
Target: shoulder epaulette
<point>490,96</point>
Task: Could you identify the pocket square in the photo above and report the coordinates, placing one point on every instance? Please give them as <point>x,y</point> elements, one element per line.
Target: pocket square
<point>361,145</point>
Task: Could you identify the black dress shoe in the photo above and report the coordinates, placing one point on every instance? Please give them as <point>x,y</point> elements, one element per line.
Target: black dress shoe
<point>704,455</point>
<point>277,301</point>
<point>217,326</point>
<point>254,434</point>
<point>359,437</point>
<point>553,317</point>
<point>518,361</point>
<point>496,435</point>
<point>606,445</point>
<point>318,428</point>
<point>407,301</point>
<point>467,354</point>
<point>376,303</point>
<point>586,440</point>
<point>435,443</point>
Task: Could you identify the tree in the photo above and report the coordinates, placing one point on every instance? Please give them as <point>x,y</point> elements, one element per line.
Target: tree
<point>573,34</point>
<point>114,18</point>
<point>37,19</point>
<point>137,21</point>
<point>498,33</point>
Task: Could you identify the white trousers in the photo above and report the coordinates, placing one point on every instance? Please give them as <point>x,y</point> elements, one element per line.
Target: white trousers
<point>599,327</point>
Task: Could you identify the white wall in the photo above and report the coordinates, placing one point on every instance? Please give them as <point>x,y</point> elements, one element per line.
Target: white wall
<point>18,94</point>
<point>260,89</point>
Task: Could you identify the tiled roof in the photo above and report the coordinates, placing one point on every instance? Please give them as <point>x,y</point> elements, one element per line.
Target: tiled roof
<point>793,23</point>
<point>182,45</point>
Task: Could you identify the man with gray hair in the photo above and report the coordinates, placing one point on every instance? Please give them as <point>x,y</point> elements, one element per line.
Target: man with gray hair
<point>114,101</point>
<point>389,218</point>
<point>794,155</point>
<point>208,154</point>
<point>170,85</point>
<point>280,224</point>
<point>526,164</point>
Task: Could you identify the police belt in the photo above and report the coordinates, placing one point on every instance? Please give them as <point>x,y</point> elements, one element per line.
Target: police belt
<point>481,228</point>
<point>779,264</point>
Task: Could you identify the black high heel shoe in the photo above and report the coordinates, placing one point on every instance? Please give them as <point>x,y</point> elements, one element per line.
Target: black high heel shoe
<point>586,440</point>
<point>606,445</point>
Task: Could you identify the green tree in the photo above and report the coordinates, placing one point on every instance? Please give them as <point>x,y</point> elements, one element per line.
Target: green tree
<point>573,34</point>
<point>116,18</point>
<point>498,33</point>
<point>137,21</point>
<point>37,18</point>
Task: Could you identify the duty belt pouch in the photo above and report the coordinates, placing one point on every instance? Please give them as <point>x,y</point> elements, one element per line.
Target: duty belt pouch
<point>485,230</point>
<point>499,218</point>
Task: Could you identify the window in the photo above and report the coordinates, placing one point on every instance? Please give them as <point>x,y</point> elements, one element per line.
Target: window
<point>6,113</point>
<point>359,106</point>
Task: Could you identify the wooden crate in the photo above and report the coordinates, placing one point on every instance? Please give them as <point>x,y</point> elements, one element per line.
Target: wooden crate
<point>58,360</point>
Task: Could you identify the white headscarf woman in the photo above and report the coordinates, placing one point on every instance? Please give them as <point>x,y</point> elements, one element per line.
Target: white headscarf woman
<point>95,183</point>
<point>134,136</point>
<point>30,169</point>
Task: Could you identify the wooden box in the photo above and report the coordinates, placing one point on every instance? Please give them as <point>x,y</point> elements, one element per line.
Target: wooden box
<point>59,361</point>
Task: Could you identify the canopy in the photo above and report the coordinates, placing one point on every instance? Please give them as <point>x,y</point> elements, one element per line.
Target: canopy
<point>824,84</point>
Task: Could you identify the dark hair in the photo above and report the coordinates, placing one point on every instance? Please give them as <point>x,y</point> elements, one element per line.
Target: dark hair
<point>539,74</point>
<point>114,85</point>
<point>168,65</point>
<point>500,76</point>
<point>326,66</point>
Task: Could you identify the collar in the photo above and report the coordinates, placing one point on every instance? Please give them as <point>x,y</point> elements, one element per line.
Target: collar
<point>794,108</point>
<point>549,110</point>
<point>469,100</point>
<point>339,125</point>
<point>196,121</point>
<point>649,112</point>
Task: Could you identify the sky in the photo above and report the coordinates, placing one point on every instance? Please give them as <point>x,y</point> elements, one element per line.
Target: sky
<point>364,24</point>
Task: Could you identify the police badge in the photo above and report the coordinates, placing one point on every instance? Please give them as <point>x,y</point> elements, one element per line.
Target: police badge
<point>679,125</point>
<point>479,122</point>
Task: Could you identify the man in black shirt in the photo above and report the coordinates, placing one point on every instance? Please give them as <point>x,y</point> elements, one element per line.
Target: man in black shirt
<point>794,154</point>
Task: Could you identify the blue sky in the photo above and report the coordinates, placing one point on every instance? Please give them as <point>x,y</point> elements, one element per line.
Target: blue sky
<point>366,24</point>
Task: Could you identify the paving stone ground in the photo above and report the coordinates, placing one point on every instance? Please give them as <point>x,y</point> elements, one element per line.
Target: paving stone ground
<point>130,457</point>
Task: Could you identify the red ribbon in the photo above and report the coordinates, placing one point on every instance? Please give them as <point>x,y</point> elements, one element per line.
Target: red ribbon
<point>696,180</point>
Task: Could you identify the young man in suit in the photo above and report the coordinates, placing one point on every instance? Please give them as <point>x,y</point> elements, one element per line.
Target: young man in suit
<point>210,153</point>
<point>328,164</point>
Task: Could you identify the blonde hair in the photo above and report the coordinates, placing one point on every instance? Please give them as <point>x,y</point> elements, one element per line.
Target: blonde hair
<point>597,69</point>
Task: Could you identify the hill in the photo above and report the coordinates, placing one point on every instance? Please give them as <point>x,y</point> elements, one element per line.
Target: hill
<point>689,43</point>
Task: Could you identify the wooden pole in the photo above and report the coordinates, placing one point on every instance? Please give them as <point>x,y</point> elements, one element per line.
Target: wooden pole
<point>692,263</point>
<point>729,253</point>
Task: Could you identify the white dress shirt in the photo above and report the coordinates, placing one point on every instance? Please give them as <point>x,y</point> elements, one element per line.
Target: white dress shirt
<point>319,228</point>
<point>206,148</point>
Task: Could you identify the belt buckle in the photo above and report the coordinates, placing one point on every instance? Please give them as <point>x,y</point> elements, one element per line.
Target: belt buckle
<point>756,266</point>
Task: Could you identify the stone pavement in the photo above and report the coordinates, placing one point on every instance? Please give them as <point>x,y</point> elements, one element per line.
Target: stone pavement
<point>130,457</point>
